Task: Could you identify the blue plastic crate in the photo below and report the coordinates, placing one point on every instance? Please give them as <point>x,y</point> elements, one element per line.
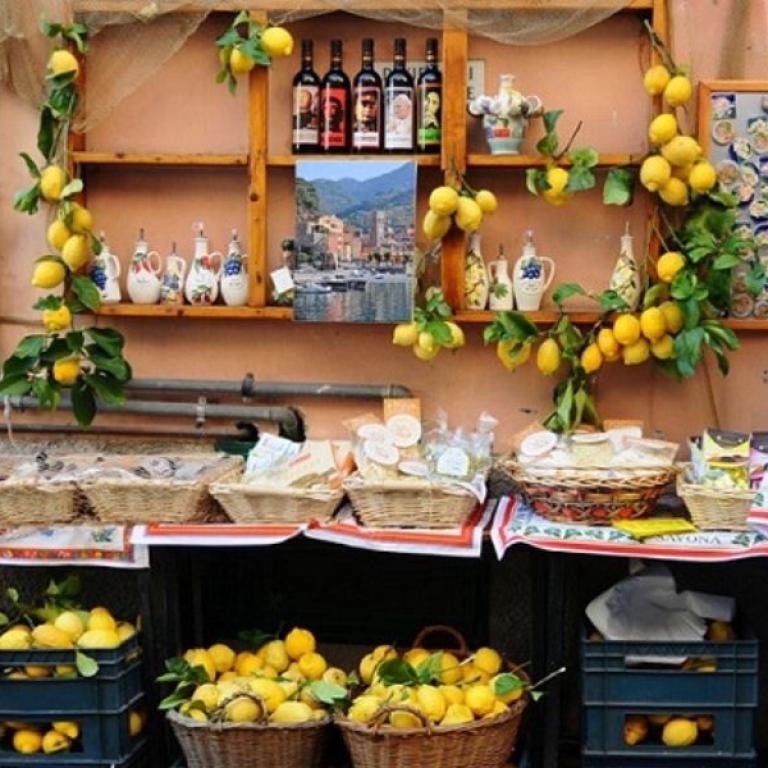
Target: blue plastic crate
<point>104,736</point>
<point>136,758</point>
<point>612,690</point>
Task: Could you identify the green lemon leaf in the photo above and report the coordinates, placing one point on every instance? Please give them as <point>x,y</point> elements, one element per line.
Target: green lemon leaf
<point>328,693</point>
<point>31,165</point>
<point>397,671</point>
<point>507,683</point>
<point>48,302</point>
<point>73,188</point>
<point>533,178</point>
<point>83,402</point>
<point>26,200</point>
<point>566,290</point>
<point>610,301</point>
<point>619,187</point>
<point>548,145</point>
<point>580,178</point>
<point>107,388</point>
<point>550,119</point>
<point>46,132</point>
<point>586,157</point>
<point>110,340</point>
<point>87,292</point>
<point>31,346</point>
<point>17,384</point>
<point>86,666</point>
<point>726,261</point>
<point>653,295</point>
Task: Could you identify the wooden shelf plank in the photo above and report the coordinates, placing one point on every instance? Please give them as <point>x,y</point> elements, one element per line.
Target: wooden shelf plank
<point>279,161</point>
<point>129,158</point>
<point>215,312</point>
<point>479,160</point>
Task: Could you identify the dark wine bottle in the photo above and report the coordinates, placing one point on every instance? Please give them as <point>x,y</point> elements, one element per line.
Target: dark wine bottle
<point>306,104</point>
<point>334,105</point>
<point>367,97</point>
<point>399,127</point>
<point>429,89</point>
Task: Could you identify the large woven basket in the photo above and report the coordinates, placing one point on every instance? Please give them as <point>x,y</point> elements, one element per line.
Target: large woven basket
<point>245,503</point>
<point>715,509</point>
<point>135,502</point>
<point>251,745</point>
<point>409,503</point>
<point>591,496</point>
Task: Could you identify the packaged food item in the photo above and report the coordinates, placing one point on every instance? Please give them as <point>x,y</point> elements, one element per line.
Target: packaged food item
<point>314,466</point>
<point>725,459</point>
<point>454,461</point>
<point>395,406</point>
<point>269,452</point>
<point>481,442</point>
<point>758,461</point>
<point>591,449</point>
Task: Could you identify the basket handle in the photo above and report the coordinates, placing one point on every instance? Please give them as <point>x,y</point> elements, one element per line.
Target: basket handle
<point>384,712</point>
<point>218,714</point>
<point>442,629</point>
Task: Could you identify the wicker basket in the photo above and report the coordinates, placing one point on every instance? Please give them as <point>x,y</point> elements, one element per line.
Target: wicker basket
<point>588,496</point>
<point>246,503</point>
<point>251,745</point>
<point>715,509</point>
<point>132,502</point>
<point>409,504</point>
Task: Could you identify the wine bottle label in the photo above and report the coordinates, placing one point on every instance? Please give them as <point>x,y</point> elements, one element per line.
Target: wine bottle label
<point>430,112</point>
<point>334,110</point>
<point>398,133</point>
<point>365,123</point>
<point>306,115</point>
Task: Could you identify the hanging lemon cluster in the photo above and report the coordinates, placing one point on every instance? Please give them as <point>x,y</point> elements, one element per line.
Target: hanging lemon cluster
<point>464,207</point>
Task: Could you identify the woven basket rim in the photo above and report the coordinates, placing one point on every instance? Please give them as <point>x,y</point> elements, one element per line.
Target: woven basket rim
<point>410,485</point>
<point>177,719</point>
<point>515,711</point>
<point>256,489</point>
<point>686,488</point>
<point>513,466</point>
<point>222,468</point>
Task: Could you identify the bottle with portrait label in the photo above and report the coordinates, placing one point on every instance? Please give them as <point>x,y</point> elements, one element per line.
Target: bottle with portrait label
<point>306,104</point>
<point>334,105</point>
<point>366,115</point>
<point>430,103</point>
<point>399,123</point>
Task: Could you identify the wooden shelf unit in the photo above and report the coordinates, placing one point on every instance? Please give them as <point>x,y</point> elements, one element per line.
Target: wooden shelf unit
<point>281,161</point>
<point>455,55</point>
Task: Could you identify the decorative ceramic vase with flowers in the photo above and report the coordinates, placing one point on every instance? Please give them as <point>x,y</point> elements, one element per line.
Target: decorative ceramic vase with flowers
<point>505,116</point>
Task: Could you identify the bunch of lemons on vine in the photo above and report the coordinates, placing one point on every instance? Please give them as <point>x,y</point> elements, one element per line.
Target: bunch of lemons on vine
<point>431,329</point>
<point>457,203</point>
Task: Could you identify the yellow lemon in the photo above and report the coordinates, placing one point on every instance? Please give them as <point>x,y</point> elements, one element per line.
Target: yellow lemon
<point>678,91</point>
<point>452,694</point>
<point>48,636</point>
<point>37,673</point>
<point>99,638</point>
<point>293,672</point>
<point>655,172</point>
<point>549,357</point>
<point>66,371</point>
<point>53,179</point>
<point>652,324</point>
<point>668,265</point>
<point>457,336</point>
<point>68,728</point>
<point>82,219</point>
<point>469,215</point>
<point>384,652</point>
<point>416,656</point>
<point>457,714</point>
<point>702,177</point>
<point>62,61</point>
<point>227,676</point>
<point>199,657</point>
<point>499,708</point>
<point>135,723</point>
<point>431,702</point>
<point>426,355</point>
<point>75,252</point>
<point>659,719</point>
<point>681,151</point>
<point>277,42</point>
<point>480,699</point>
<point>240,63</point>
<point>626,329</point>
<point>14,640</point>
<point>487,201</point>
<point>557,178</point>
<point>364,708</point>
<point>274,655</point>
<point>471,674</point>
<point>312,666</point>
<point>268,690</point>
<point>663,128</point>
<point>635,729</point>
<point>674,192</point>
<point>608,346</point>
<point>58,234</point>
<point>207,694</point>
<point>512,354</point>
<point>66,670</point>
<point>101,618</point>
<point>680,732</point>
<point>54,742</point>
<point>637,353</point>
<point>444,201</point>
<point>48,274</point>
<point>655,79</point>
<point>487,660</point>
<point>247,663</point>
<point>427,342</point>
<point>673,315</point>
<point>196,714</point>
<point>450,669</point>
<point>335,675</point>
<point>27,742</point>
<point>367,668</point>
<point>663,348</point>
<point>290,687</point>
<point>125,630</point>
<point>57,320</point>
<point>682,172</point>
<point>223,657</point>
<point>404,720</point>
<point>291,712</point>
<point>404,335</point>
<point>507,698</point>
<point>591,358</point>
<point>435,226</point>
<point>242,710</point>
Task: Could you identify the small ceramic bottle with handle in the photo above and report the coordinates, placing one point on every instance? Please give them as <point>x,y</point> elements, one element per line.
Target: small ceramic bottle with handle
<point>105,272</point>
<point>202,285</point>
<point>476,283</point>
<point>234,276</point>
<point>143,274</point>
<point>172,289</point>
<point>501,299</point>
<point>530,279</point>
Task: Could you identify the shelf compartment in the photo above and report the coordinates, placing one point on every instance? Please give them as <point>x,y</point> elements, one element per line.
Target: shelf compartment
<point>128,158</point>
<point>214,312</point>
<point>280,161</point>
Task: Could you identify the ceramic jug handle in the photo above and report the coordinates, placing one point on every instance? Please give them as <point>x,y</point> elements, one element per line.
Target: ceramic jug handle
<point>545,260</point>
<point>113,266</point>
<point>155,269</point>
<point>492,268</point>
<point>217,255</point>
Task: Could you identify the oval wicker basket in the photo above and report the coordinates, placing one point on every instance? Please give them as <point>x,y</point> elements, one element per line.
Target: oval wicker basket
<point>715,509</point>
<point>251,745</point>
<point>587,496</point>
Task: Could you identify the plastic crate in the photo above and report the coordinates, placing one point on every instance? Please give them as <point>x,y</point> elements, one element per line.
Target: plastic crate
<point>137,758</point>
<point>612,690</point>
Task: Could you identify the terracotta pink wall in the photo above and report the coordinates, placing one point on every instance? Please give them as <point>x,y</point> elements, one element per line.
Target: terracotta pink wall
<point>595,77</point>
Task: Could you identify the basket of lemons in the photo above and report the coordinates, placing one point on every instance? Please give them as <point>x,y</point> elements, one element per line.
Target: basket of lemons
<point>442,709</point>
<point>254,709</point>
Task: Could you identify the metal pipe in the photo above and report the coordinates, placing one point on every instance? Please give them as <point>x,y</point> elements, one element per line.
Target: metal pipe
<point>121,430</point>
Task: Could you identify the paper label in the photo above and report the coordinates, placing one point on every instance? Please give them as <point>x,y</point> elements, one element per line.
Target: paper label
<point>306,115</point>
<point>399,127</point>
<point>453,462</point>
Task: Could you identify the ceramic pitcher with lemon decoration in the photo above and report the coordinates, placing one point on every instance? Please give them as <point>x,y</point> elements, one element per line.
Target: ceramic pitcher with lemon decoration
<point>202,285</point>
<point>143,274</point>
